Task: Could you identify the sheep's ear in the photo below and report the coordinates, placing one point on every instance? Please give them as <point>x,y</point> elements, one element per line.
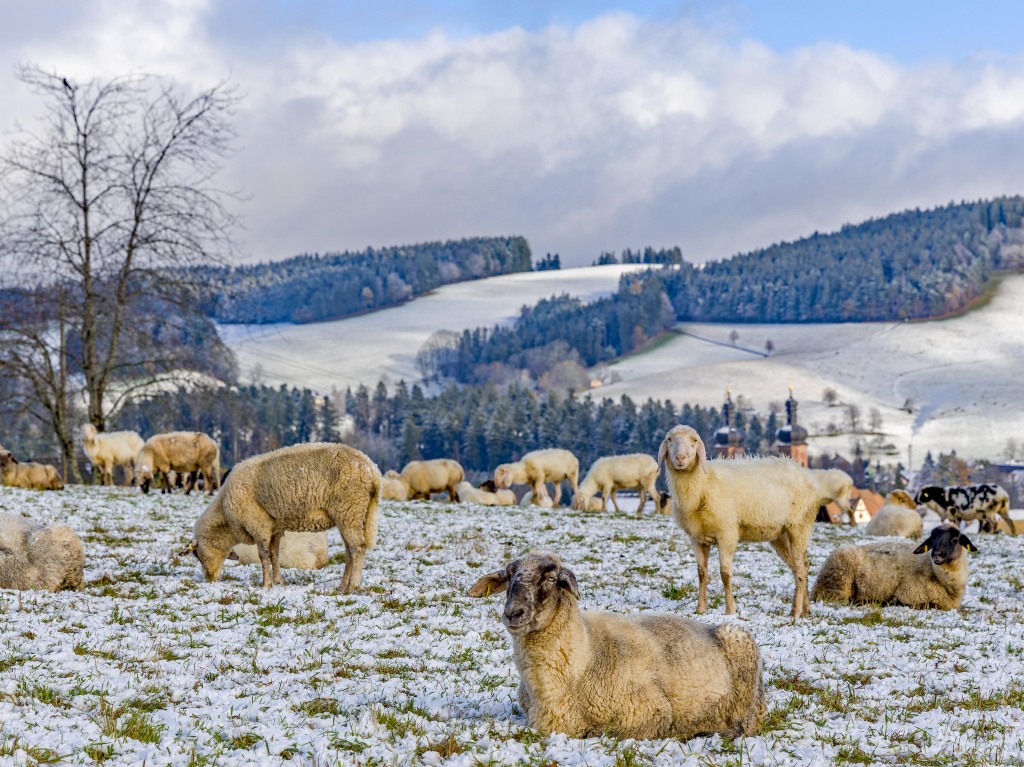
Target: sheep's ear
<point>662,453</point>
<point>966,543</point>
<point>702,455</point>
<point>232,556</point>
<point>567,581</point>
<point>190,548</point>
<point>492,583</point>
<point>924,547</point>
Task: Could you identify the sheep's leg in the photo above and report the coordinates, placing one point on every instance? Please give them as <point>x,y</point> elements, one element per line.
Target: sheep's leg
<point>643,500</point>
<point>726,547</point>
<point>615,502</point>
<point>795,543</point>
<point>129,474</point>
<point>558,493</point>
<point>263,548</point>
<point>453,496</point>
<point>275,556</point>
<point>604,500</point>
<point>702,552</point>
<point>190,483</point>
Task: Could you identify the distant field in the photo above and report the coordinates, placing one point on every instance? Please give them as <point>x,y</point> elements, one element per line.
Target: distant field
<point>963,377</point>
<point>151,665</point>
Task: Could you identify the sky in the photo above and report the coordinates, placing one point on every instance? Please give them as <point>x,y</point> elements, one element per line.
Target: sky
<point>718,127</point>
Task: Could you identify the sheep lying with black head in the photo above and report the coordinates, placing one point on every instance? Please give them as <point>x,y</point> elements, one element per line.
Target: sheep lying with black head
<point>743,499</point>
<point>894,572</point>
<point>586,674</point>
<point>36,557</point>
<point>309,488</point>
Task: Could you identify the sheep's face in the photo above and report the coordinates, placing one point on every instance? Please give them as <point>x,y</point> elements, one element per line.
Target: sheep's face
<point>503,476</point>
<point>6,459</point>
<point>211,558</point>
<point>536,585</point>
<point>144,476</point>
<point>901,498</point>
<point>946,544</point>
<point>683,448</point>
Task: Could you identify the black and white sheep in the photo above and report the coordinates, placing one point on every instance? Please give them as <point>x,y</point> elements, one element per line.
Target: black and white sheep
<point>587,674</point>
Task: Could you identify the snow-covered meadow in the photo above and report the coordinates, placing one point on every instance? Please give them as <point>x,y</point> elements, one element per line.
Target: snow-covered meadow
<point>150,665</point>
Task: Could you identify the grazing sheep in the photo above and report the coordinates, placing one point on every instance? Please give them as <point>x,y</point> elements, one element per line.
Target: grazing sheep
<point>180,451</point>
<point>588,674</point>
<point>897,518</point>
<point>423,478</point>
<point>36,557</point>
<point>308,488</point>
<point>496,497</point>
<point>966,503</point>
<point>302,551</point>
<point>392,488</point>
<point>894,572</point>
<point>31,476</point>
<point>744,499</point>
<point>636,471</point>
<point>835,486</point>
<point>540,466</point>
<point>116,448</point>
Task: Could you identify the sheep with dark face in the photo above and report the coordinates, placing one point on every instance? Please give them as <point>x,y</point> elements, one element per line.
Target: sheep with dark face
<point>966,503</point>
<point>933,574</point>
<point>585,674</point>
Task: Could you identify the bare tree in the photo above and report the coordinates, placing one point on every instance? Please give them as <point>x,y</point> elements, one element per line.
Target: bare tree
<point>107,203</point>
<point>437,353</point>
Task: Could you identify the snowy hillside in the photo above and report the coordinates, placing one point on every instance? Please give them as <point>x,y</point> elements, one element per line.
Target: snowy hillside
<point>961,378</point>
<point>150,665</point>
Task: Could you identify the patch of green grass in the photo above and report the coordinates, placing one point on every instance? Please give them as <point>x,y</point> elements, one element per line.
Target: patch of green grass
<point>9,746</point>
<point>680,592</point>
<point>319,706</point>
<point>447,747</point>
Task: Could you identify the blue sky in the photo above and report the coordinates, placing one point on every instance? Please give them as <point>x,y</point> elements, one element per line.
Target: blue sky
<point>585,126</point>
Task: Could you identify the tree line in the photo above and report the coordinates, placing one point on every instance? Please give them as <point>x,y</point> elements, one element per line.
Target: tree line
<point>315,288</point>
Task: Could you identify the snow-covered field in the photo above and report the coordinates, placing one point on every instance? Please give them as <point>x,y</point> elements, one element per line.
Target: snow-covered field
<point>960,378</point>
<point>150,665</point>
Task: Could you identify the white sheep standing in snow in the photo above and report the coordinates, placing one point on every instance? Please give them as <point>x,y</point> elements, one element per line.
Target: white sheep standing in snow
<point>898,517</point>
<point>540,466</point>
<point>485,495</point>
<point>110,449</point>
<point>743,499</point>
<point>424,478</point>
<point>187,452</point>
<point>590,674</point>
<point>309,488</point>
<point>35,557</point>
<point>932,575</point>
<point>607,475</point>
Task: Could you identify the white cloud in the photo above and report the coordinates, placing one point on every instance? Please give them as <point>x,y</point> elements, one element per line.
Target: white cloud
<point>614,133</point>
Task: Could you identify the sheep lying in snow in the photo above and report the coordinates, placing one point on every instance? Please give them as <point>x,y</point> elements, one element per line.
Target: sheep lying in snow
<point>392,488</point>
<point>116,448</point>
<point>31,476</point>
<point>897,518</point>
<point>743,499</point>
<point>308,488</point>
<point>423,478</point>
<point>540,466</point>
<point>542,499</point>
<point>636,471</point>
<point>180,451</point>
<point>588,674</point>
<point>302,551</point>
<point>485,497</point>
<point>966,503</point>
<point>36,557</point>
<point>932,575</point>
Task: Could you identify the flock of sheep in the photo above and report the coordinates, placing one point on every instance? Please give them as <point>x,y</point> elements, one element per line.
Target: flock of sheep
<point>582,673</point>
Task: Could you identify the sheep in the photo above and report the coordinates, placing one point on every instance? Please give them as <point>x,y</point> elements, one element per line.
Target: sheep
<point>587,674</point>
<point>116,448</point>
<point>32,476</point>
<point>36,557</point>
<point>308,488</point>
<point>543,499</point>
<point>772,499</point>
<point>392,488</point>
<point>423,478</point>
<point>620,472</point>
<point>894,572</point>
<point>303,551</point>
<point>966,503</point>
<point>180,451</point>
<point>897,518</point>
<point>835,486</point>
<point>540,466</point>
<point>479,495</point>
